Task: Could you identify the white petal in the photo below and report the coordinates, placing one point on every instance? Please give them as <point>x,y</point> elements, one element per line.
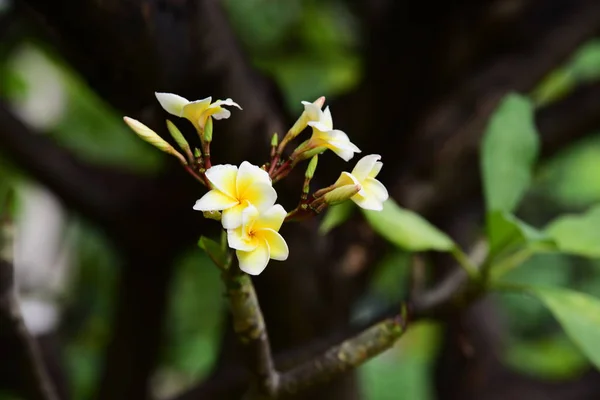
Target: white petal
<point>239,239</point>
<point>254,262</point>
<point>271,219</point>
<point>326,118</point>
<point>248,175</point>
<point>368,202</point>
<point>319,126</point>
<point>224,177</point>
<point>376,169</point>
<point>232,217</point>
<point>376,189</point>
<point>278,248</point>
<point>365,165</point>
<point>215,200</point>
<point>172,103</point>
<point>223,113</point>
<point>226,102</point>
<point>313,112</point>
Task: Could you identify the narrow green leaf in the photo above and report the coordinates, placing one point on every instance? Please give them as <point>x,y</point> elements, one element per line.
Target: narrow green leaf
<point>579,315</point>
<point>505,231</point>
<point>509,150</point>
<point>407,229</point>
<point>336,215</point>
<point>578,234</point>
<point>215,251</point>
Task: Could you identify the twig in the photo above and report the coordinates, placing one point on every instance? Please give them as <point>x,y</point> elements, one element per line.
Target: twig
<point>30,365</point>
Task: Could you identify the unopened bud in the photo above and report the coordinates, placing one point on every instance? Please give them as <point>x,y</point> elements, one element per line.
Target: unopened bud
<point>152,137</point>
<point>197,153</point>
<point>274,140</point>
<point>312,166</point>
<point>216,215</point>
<point>178,137</point>
<point>341,194</point>
<point>208,130</point>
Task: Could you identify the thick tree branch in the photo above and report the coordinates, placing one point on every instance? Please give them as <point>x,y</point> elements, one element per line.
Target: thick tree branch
<point>28,366</point>
<point>249,325</point>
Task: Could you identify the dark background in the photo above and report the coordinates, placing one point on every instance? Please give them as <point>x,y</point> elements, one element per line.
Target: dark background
<point>106,233</point>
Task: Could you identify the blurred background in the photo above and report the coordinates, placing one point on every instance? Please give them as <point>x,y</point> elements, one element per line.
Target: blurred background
<point>111,283</point>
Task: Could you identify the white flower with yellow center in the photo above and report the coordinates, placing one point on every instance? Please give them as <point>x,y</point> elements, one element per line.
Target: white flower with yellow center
<point>258,240</point>
<point>235,189</point>
<point>197,112</point>
<point>372,193</point>
<point>325,136</point>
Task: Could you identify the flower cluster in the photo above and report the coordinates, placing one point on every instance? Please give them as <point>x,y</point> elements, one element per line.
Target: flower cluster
<point>243,198</point>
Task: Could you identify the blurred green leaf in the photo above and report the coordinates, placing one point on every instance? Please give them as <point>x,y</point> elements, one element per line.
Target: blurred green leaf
<point>407,229</point>
<point>506,231</point>
<point>579,315</point>
<point>509,150</point>
<point>578,234</point>
<point>216,252</point>
<point>549,358</point>
<point>336,215</point>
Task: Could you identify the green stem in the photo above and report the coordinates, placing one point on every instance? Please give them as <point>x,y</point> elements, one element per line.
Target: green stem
<point>509,263</point>
<point>466,264</point>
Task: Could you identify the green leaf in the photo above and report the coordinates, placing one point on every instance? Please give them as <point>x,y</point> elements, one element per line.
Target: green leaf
<point>216,252</point>
<point>579,315</point>
<point>407,229</point>
<point>336,215</point>
<point>509,150</point>
<point>505,231</point>
<point>578,234</point>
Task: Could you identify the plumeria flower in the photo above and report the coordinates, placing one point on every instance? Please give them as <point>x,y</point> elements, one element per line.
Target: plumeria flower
<point>197,111</point>
<point>235,189</point>
<point>372,193</point>
<point>258,240</point>
<point>324,136</point>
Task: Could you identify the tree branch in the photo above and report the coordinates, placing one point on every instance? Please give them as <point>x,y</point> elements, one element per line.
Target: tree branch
<point>249,325</point>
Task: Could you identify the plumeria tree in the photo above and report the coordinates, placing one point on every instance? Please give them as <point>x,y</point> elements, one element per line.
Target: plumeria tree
<point>425,88</point>
<point>243,200</point>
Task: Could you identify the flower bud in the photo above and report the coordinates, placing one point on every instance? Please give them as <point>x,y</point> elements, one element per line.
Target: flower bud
<point>341,194</point>
<point>208,130</point>
<point>216,215</point>
<point>312,166</point>
<point>178,137</point>
<point>152,137</point>
<point>274,140</point>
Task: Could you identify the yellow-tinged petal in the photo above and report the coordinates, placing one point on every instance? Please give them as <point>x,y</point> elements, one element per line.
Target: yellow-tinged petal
<point>260,195</point>
<point>194,111</point>
<point>254,262</point>
<point>240,240</point>
<point>232,217</point>
<point>376,189</point>
<point>271,219</point>
<point>172,103</point>
<point>224,177</point>
<point>278,248</point>
<point>346,178</point>
<point>367,202</point>
<point>215,200</point>
<point>365,165</point>
<point>376,169</point>
<point>248,175</point>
